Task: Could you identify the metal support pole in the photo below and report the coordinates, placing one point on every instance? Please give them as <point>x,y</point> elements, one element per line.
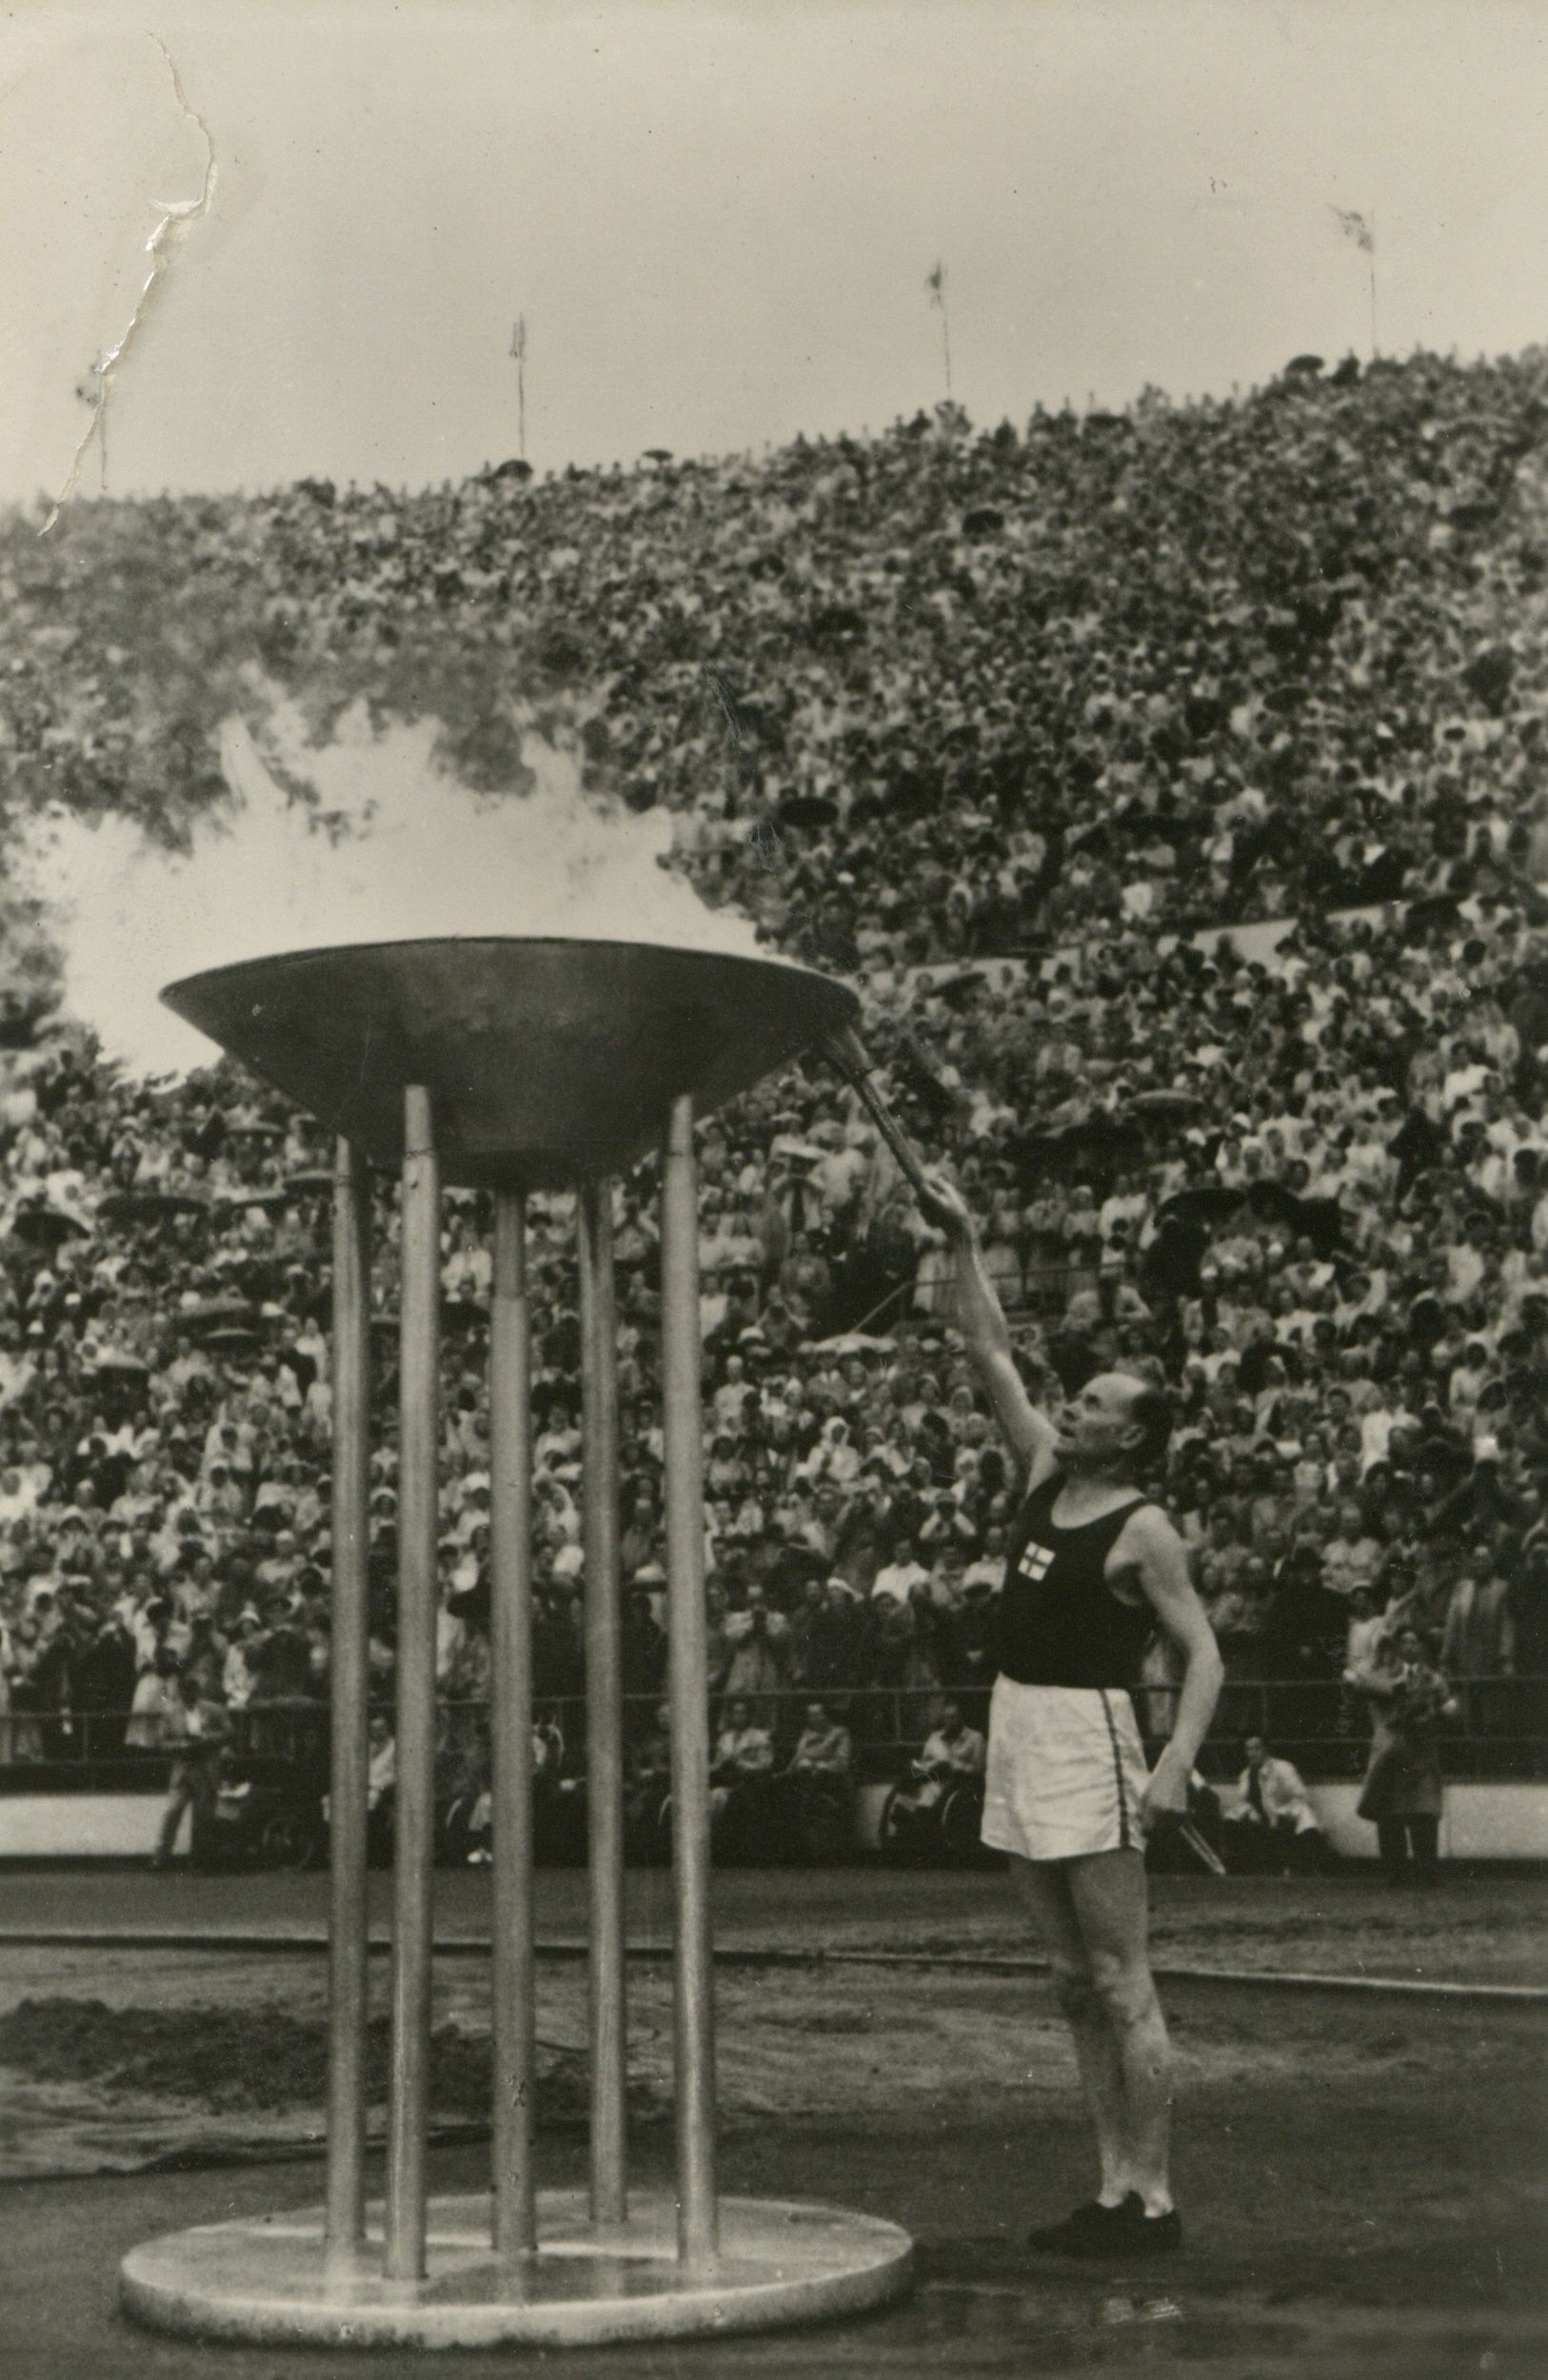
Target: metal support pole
<point>414,1799</point>
<point>344,2220</point>
<point>693,2004</point>
<point>603,1703</point>
<point>513,2021</point>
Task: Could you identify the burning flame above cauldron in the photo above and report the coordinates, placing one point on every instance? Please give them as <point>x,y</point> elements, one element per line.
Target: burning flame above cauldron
<point>392,847</point>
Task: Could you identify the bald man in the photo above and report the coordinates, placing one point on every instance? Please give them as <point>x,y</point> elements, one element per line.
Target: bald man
<point>1093,1569</point>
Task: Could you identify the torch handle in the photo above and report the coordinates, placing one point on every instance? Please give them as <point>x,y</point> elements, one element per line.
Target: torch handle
<point>1203,1851</point>
<point>848,1052</point>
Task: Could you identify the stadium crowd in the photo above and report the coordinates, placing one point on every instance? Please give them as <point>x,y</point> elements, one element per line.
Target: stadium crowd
<point>1009,728</point>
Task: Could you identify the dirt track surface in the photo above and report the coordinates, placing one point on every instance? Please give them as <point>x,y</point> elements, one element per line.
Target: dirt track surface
<point>1363,2180</point>
<point>1484,1929</point>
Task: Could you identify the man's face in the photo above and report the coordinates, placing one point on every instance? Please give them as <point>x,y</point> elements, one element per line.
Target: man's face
<point>1096,1425</point>
<point>1257,1752</point>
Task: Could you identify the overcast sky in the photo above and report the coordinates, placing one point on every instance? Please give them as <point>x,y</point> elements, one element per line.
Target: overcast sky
<point>717,220</point>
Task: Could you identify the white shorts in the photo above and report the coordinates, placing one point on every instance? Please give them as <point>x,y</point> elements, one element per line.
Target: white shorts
<point>1064,1771</point>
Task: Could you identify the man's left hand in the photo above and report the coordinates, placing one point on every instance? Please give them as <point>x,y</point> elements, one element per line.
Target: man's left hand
<point>1166,1795</point>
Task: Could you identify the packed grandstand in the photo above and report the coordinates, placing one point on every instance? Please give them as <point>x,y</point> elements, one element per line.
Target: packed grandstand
<point>1009,727</point>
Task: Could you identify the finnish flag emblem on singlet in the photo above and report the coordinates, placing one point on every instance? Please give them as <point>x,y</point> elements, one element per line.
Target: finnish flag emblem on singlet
<point>1035,1564</point>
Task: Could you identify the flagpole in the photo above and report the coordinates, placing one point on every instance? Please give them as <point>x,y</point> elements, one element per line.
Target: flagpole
<point>1361,230</point>
<point>518,348</point>
<point>935,284</point>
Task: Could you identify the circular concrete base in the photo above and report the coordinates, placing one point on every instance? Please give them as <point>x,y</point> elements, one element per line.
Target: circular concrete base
<point>262,2279</point>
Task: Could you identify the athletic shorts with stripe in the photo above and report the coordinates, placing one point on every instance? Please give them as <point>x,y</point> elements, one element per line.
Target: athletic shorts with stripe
<point>1064,1771</point>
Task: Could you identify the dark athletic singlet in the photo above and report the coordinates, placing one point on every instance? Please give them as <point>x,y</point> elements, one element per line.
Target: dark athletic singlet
<point>1061,1624</point>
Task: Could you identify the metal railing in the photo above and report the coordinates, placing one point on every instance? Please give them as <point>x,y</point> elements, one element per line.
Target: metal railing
<point>1500,1731</point>
<point>1024,1289</point>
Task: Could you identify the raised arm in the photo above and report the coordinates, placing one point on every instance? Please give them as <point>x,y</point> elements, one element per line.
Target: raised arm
<point>1160,1567</point>
<point>1027,1431</point>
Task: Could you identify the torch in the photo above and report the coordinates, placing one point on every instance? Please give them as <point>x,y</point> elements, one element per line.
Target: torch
<point>846,1051</point>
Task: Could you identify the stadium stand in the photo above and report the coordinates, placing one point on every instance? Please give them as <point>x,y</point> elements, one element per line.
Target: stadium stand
<point>1172,784</point>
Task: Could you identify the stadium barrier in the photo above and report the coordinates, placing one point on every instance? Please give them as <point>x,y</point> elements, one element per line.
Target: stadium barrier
<point>1500,1734</point>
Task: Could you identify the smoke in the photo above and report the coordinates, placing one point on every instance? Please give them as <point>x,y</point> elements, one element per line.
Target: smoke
<point>376,842</point>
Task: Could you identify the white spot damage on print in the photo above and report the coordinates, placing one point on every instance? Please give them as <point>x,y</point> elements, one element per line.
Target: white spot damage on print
<point>174,216</point>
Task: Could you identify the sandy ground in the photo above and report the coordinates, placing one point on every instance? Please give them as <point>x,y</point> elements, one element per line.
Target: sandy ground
<point>1364,2179</point>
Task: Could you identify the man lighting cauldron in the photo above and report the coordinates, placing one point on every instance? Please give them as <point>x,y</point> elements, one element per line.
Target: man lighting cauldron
<point>1093,1568</point>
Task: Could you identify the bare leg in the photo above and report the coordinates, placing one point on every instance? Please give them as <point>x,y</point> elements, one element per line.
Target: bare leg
<point>1044,1889</point>
<point>1109,1896</point>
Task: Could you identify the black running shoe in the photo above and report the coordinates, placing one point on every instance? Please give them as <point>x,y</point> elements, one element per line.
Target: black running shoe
<point>1091,2231</point>
<point>1149,2234</point>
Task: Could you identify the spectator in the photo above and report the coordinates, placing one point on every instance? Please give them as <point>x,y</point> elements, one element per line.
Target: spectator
<point>155,1715</point>
<point>744,1755</point>
<point>897,1580</point>
<point>1367,1627</point>
<point>1404,1789</point>
<point>649,1774</point>
<point>643,1646</point>
<point>758,1639</point>
<point>1272,1827</point>
<point>951,1749</point>
<point>823,1747</point>
<point>1477,1648</point>
<point>197,1726</point>
<point>102,1687</point>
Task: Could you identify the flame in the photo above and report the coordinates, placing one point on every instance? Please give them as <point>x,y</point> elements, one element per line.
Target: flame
<point>385,845</point>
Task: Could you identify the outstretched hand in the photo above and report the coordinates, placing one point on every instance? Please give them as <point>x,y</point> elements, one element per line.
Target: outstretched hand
<point>942,1203</point>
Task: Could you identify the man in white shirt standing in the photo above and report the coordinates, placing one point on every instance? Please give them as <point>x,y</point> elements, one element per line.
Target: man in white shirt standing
<point>198,1726</point>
